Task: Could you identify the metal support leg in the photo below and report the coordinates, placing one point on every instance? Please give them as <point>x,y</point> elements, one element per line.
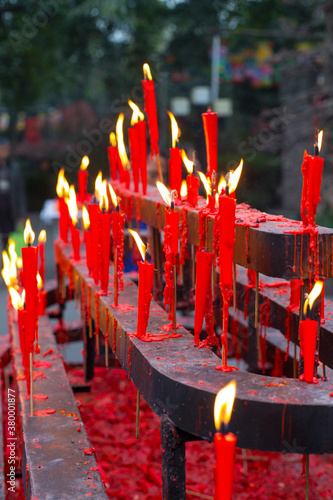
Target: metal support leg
<point>173,461</point>
<point>89,354</point>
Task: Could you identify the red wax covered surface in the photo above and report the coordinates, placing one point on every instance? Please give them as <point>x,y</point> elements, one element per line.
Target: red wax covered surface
<point>227,208</point>
<point>29,258</point>
<point>88,244</point>
<point>75,233</point>
<point>150,109</point>
<point>225,450</point>
<point>172,220</point>
<point>141,133</point>
<point>41,254</point>
<point>63,220</point>
<point>104,241</point>
<point>202,282</point>
<point>175,169</point>
<point>192,190</point>
<point>146,279</point>
<point>93,216</point>
<point>82,181</point>
<point>210,128</point>
<point>113,161</point>
<point>308,338</point>
<point>134,148</point>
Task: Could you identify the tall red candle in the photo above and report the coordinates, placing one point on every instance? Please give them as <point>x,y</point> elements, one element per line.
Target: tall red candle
<point>308,340</point>
<point>227,209</point>
<point>123,170</point>
<point>75,233</point>
<point>62,192</point>
<point>225,445</point>
<point>113,156</point>
<point>30,259</point>
<point>150,108</point>
<point>141,132</point>
<point>312,169</point>
<point>138,147</point>
<point>41,253</point>
<point>210,128</point>
<point>134,148</point>
<point>192,181</point>
<point>118,221</point>
<point>175,169</point>
<point>83,178</point>
<point>104,239</point>
<point>202,283</point>
<point>23,337</point>
<point>87,239</point>
<point>93,209</point>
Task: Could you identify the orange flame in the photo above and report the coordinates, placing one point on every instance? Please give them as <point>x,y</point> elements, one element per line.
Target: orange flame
<point>164,192</point>
<point>62,185</point>
<point>120,141</point>
<point>224,402</point>
<point>320,139</point>
<point>206,183</point>
<point>98,186</point>
<point>234,176</point>
<point>222,184</point>
<point>85,218</point>
<point>147,72</point>
<point>28,233</point>
<point>5,270</point>
<point>72,205</point>
<point>188,163</point>
<point>113,140</point>
<point>313,295</point>
<point>13,261</point>
<point>104,201</point>
<point>39,281</point>
<point>139,242</point>
<point>17,300</point>
<point>183,189</point>
<point>84,163</point>
<point>113,196</point>
<point>137,114</point>
<point>175,131</point>
<point>42,236</point>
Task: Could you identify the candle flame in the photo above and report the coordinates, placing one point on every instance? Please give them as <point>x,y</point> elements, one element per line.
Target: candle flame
<point>147,72</point>
<point>224,402</point>
<point>72,205</point>
<point>39,281</point>
<point>5,270</point>
<point>13,260</point>
<point>139,242</point>
<point>85,218</point>
<point>137,115</point>
<point>222,184</point>
<point>164,192</point>
<point>120,141</point>
<point>175,131</point>
<point>98,186</point>
<point>84,163</point>
<point>28,233</point>
<point>113,196</point>
<point>17,300</point>
<point>19,263</point>
<point>320,139</point>
<point>62,184</point>
<point>183,189</point>
<point>206,183</point>
<point>104,200</point>
<point>313,295</point>
<point>188,163</point>
<point>113,140</point>
<point>42,236</point>
<point>234,176</point>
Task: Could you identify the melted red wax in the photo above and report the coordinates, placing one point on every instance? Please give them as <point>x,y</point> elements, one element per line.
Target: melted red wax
<point>216,239</point>
<point>37,374</point>
<point>226,369</point>
<point>129,209</point>
<point>264,322</point>
<point>278,363</point>
<point>42,364</point>
<point>168,272</point>
<point>184,253</point>
<point>40,396</point>
<point>170,327</point>
<point>78,429</point>
<point>89,451</point>
<point>157,337</point>
<point>44,413</point>
<point>46,353</point>
<point>123,307</point>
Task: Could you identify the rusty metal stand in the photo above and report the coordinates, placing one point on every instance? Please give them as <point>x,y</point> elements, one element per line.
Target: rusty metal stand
<point>173,461</point>
<point>89,353</point>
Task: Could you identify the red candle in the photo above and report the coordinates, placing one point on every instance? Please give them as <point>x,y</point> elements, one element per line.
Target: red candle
<point>134,148</point>
<point>225,444</point>
<point>150,108</point>
<point>118,221</point>
<point>138,147</point>
<point>75,233</point>
<point>42,302</point>
<point>113,156</point>
<point>87,238</point>
<point>29,259</point>
<point>227,208</point>
<point>202,283</point>
<point>210,127</point>
<point>104,233</point>
<point>83,178</point>
<point>124,170</point>
<point>141,132</point>
<point>192,181</point>
<point>312,169</point>
<point>175,162</point>
<point>172,220</point>
<point>62,192</point>
<point>18,304</point>
<point>93,209</point>
<point>41,253</point>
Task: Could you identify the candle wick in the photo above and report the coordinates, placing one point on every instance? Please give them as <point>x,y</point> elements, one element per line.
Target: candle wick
<point>147,254</point>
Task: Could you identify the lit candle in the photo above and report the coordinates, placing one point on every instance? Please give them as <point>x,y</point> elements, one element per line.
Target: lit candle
<point>93,209</point>
<point>146,279</point>
<point>83,178</point>
<point>104,233</point>
<point>138,145</point>
<point>124,170</point>
<point>87,239</point>
<point>62,192</point>
<point>308,329</point>
<point>208,188</point>
<point>312,169</point>
<point>192,181</point>
<point>75,232</point>
<point>175,162</point>
<point>17,301</point>
<point>118,221</point>
<point>202,283</point>
<point>225,444</point>
<point>41,253</point>
<point>42,296</point>
<point>210,128</point>
<point>113,156</point>
<point>150,108</point>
